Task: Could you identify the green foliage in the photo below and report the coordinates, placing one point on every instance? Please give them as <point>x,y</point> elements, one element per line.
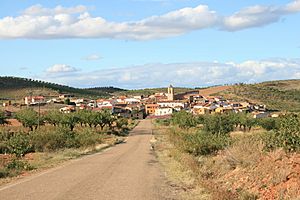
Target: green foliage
<point>67,101</point>
<point>278,95</point>
<point>199,142</point>
<point>88,137</point>
<point>53,117</point>
<point>49,140</point>
<point>15,167</point>
<point>19,144</point>
<point>19,83</point>
<point>29,118</point>
<point>184,119</point>
<point>70,120</point>
<point>19,165</point>
<point>164,122</point>
<point>220,124</point>
<point>246,121</point>
<point>203,143</point>
<point>287,136</point>
<point>269,123</point>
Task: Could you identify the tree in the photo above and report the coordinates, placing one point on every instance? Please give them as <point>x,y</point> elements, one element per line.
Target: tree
<point>29,118</point>
<point>70,120</point>
<point>105,118</point>
<point>122,124</point>
<point>53,117</point>
<point>218,124</point>
<point>184,119</point>
<point>246,121</point>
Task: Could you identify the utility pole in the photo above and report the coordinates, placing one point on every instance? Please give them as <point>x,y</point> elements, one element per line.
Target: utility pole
<point>39,116</point>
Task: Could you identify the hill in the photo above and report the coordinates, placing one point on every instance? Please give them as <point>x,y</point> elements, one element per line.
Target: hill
<point>278,95</point>
<point>149,91</point>
<point>15,88</point>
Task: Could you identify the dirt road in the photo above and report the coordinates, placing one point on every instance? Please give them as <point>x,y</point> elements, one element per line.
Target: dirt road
<point>128,171</point>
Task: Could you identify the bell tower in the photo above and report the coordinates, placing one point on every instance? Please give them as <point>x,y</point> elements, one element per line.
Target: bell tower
<point>170,93</point>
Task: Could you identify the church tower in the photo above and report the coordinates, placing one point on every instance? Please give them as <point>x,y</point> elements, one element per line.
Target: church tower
<point>170,93</point>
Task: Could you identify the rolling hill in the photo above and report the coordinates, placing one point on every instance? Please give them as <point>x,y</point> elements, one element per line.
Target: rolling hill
<point>15,88</point>
<point>278,95</point>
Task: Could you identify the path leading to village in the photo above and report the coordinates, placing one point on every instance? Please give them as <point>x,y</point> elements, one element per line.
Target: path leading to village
<point>128,171</point>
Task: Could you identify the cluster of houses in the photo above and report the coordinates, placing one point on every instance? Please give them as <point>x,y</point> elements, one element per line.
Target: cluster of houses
<point>156,105</point>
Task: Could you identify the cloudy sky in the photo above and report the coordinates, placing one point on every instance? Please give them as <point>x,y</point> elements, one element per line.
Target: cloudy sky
<point>150,43</point>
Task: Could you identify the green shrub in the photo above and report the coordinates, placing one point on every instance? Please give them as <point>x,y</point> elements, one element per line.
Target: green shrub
<point>88,137</point>
<point>163,122</point>
<point>53,140</point>
<point>18,165</point>
<point>200,142</point>
<point>218,124</point>
<point>184,119</point>
<point>203,143</point>
<point>19,144</point>
<point>4,173</point>
<point>269,123</point>
<point>287,136</point>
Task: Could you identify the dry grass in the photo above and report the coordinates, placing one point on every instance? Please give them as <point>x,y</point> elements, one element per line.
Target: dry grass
<point>179,169</point>
<point>241,171</point>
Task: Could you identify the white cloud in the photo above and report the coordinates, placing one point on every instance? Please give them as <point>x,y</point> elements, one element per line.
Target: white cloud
<point>294,6</point>
<point>185,74</point>
<point>40,10</point>
<point>61,68</point>
<point>254,16</point>
<point>93,57</point>
<point>38,22</point>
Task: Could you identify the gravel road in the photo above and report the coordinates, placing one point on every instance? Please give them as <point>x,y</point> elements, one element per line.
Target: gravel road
<point>126,171</point>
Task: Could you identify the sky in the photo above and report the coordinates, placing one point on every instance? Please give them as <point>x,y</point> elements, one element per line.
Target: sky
<point>150,43</point>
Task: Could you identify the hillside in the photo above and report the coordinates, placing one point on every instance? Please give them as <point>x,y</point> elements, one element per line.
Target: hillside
<point>15,88</point>
<point>149,91</point>
<point>277,95</point>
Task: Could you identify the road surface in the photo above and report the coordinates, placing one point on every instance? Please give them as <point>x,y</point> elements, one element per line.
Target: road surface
<point>127,171</point>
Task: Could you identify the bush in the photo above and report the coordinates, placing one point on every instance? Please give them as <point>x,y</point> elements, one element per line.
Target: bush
<point>18,165</point>
<point>53,140</point>
<point>218,124</point>
<point>163,122</point>
<point>199,143</point>
<point>19,144</point>
<point>4,173</point>
<point>88,137</point>
<point>269,123</point>
<point>184,119</point>
<point>203,143</point>
<point>287,136</point>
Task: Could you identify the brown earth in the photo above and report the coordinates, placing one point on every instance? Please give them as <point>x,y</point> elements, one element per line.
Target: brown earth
<point>213,90</point>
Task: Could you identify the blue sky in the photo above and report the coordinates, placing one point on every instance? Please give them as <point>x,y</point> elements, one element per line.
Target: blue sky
<point>150,43</point>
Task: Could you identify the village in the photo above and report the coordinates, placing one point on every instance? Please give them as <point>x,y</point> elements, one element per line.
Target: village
<point>157,105</point>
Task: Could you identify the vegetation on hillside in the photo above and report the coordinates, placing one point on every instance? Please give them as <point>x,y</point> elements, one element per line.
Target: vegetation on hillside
<point>233,160</point>
<point>38,87</point>
<point>150,91</point>
<point>277,95</point>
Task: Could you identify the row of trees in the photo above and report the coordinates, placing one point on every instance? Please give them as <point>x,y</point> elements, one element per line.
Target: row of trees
<point>282,132</point>
<point>32,120</point>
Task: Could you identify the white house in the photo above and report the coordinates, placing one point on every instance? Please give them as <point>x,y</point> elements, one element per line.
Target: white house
<point>172,104</point>
<point>161,111</point>
<point>132,101</point>
<point>34,100</point>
